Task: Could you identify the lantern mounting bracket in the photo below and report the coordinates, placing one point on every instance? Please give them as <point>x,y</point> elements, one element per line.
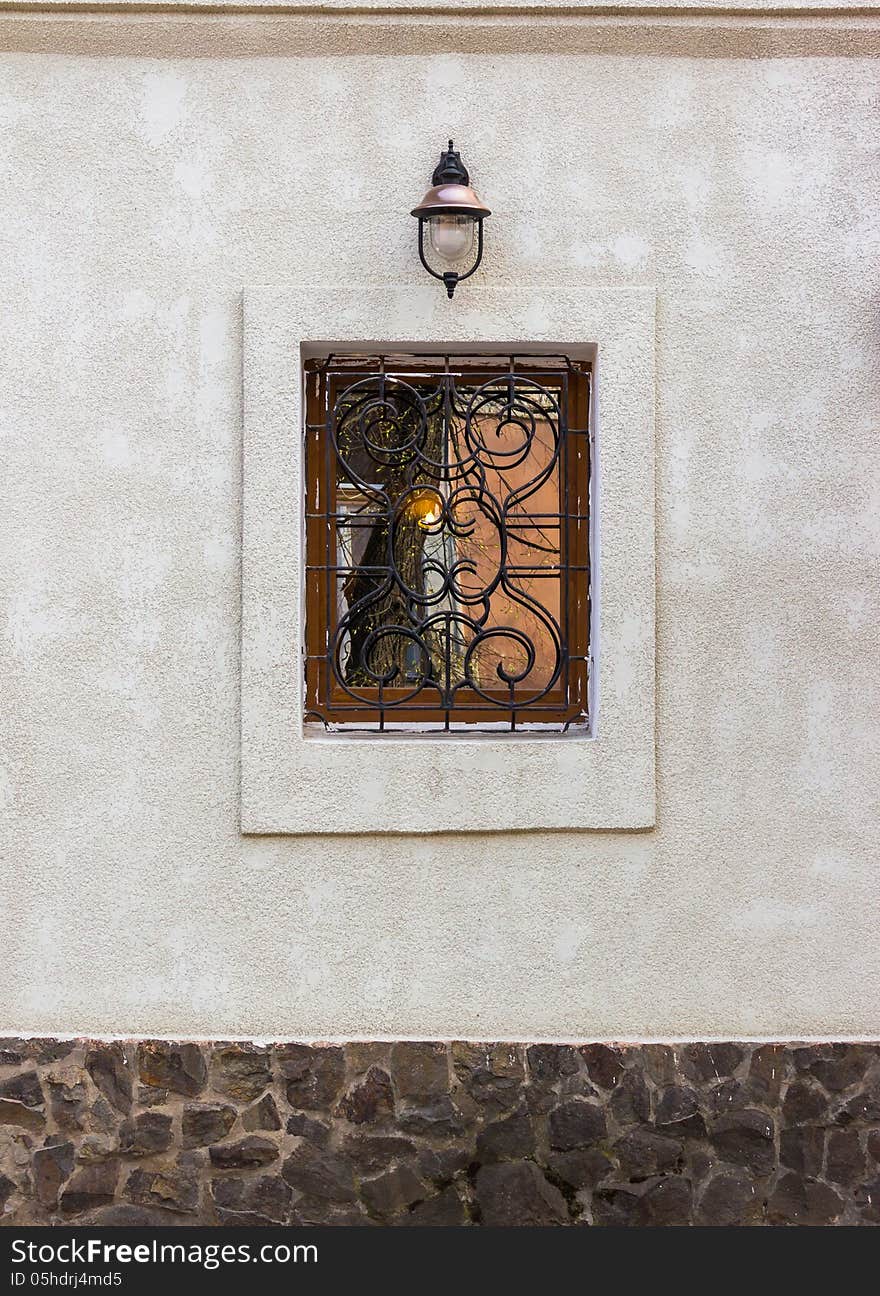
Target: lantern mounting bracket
<point>450,169</point>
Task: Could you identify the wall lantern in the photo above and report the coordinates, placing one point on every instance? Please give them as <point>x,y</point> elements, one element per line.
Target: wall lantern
<point>454,216</point>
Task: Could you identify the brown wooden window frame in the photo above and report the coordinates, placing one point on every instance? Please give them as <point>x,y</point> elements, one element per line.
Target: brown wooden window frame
<point>389,709</point>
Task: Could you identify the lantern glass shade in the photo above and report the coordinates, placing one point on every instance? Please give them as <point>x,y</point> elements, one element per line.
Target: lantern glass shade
<point>451,236</point>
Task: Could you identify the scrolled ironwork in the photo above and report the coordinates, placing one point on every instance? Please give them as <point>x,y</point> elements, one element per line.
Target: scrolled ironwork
<point>453,559</point>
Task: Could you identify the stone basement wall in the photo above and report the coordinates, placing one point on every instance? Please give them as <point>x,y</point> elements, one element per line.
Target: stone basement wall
<point>443,1134</point>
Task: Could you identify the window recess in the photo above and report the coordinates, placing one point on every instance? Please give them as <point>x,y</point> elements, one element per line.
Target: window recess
<point>447,577</point>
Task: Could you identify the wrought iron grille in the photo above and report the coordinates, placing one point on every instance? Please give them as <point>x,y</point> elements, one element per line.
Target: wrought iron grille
<point>447,542</point>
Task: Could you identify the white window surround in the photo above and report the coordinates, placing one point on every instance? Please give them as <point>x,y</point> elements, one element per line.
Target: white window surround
<point>295,782</point>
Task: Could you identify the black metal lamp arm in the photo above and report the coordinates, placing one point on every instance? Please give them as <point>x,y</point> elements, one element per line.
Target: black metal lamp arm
<point>449,277</point>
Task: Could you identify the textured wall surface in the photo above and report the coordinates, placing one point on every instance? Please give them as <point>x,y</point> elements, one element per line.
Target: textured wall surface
<point>445,1134</point>
<point>140,194</point>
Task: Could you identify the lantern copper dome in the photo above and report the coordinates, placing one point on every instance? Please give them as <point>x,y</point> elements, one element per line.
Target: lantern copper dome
<point>447,211</point>
<point>450,193</point>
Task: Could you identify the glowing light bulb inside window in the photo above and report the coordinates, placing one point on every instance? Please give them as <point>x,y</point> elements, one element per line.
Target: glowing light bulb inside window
<point>427,507</point>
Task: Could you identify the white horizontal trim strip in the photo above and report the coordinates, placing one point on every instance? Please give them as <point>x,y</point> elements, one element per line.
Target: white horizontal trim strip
<point>519,1041</point>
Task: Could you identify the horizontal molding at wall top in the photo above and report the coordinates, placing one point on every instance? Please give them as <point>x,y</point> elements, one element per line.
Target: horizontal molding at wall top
<point>132,29</point>
<point>478,8</point>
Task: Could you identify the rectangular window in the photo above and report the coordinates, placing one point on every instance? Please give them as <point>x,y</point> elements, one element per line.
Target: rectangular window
<point>447,542</point>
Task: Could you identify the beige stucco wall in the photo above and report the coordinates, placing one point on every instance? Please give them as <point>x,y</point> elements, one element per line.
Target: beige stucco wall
<point>141,192</point>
